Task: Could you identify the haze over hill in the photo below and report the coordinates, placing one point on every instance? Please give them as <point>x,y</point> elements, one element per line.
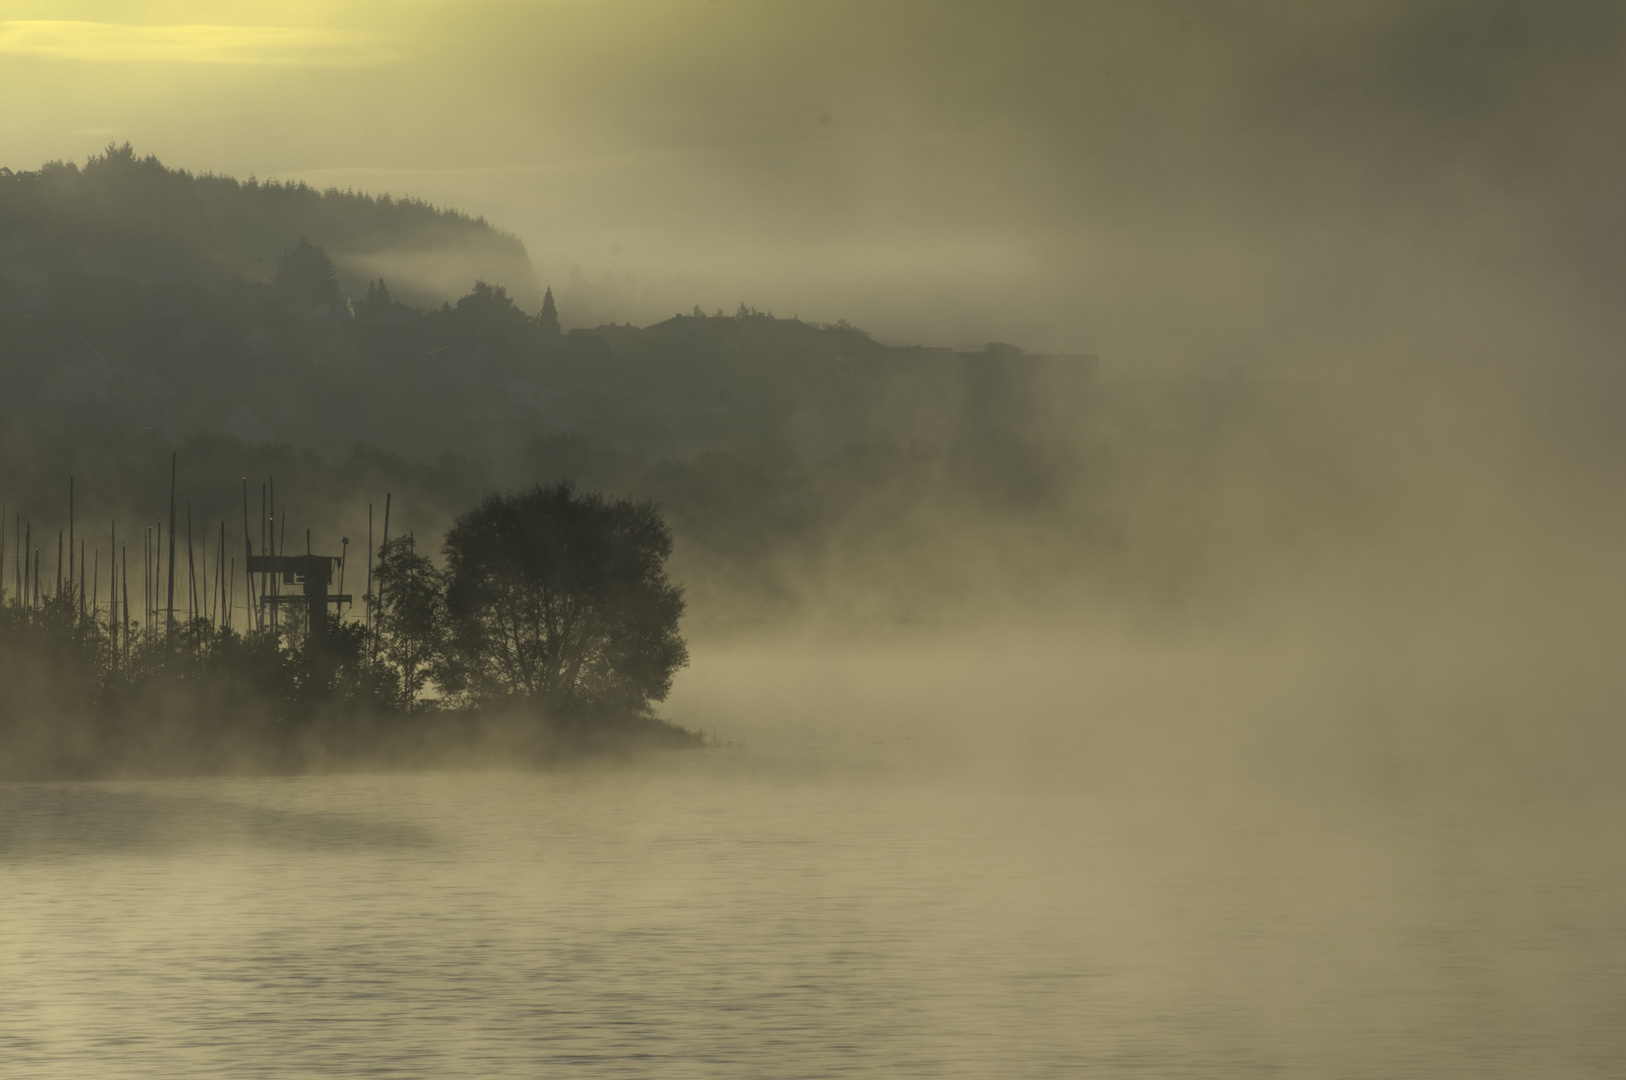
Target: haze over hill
<point>1143,481</point>
<point>126,214</point>
<point>1176,185</point>
<point>135,313</point>
<point>802,464</point>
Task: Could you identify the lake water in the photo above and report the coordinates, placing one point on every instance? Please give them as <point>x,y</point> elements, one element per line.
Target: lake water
<point>849,893</point>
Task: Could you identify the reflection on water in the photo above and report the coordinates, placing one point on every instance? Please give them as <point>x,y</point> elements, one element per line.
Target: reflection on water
<point>862,888</point>
<point>724,914</point>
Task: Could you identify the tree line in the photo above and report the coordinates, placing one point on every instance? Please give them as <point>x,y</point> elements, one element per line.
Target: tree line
<point>551,605</point>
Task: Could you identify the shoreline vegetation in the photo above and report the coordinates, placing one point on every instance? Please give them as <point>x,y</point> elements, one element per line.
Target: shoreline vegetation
<point>547,636</point>
<point>144,308</point>
<point>812,476</point>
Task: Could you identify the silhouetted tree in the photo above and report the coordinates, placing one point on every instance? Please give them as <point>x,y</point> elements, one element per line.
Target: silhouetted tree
<point>548,317</point>
<point>305,273</point>
<point>411,619</point>
<point>377,303</point>
<point>562,598</point>
<point>488,311</point>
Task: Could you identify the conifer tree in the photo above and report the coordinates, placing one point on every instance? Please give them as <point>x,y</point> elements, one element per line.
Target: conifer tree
<point>548,317</point>
<point>305,273</point>
<point>378,302</point>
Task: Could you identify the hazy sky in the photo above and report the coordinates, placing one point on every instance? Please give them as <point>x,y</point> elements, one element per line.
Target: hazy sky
<point>1362,183</point>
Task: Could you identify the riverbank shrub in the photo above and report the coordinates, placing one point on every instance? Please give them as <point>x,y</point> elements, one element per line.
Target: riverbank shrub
<point>553,616</point>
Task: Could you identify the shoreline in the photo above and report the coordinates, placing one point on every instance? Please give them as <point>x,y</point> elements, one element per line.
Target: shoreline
<point>330,743</point>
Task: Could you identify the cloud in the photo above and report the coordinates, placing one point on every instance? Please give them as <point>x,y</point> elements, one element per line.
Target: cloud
<point>195,44</point>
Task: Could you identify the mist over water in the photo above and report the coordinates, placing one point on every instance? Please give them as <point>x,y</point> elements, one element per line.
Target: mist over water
<point>1308,766</point>
<point>1005,854</point>
<point>1243,702</point>
<point>1265,785</point>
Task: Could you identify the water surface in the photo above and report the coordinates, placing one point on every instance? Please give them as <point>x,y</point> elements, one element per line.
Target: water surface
<point>868,905</point>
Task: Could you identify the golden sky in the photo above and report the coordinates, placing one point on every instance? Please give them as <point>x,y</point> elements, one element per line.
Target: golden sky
<point>1170,183</point>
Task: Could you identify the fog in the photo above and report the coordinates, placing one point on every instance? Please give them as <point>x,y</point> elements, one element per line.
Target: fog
<point>1228,683</point>
<point>1403,213</point>
<point>1172,185</point>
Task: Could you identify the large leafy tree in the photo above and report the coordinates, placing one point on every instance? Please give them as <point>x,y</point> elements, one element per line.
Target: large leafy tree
<point>561,597</point>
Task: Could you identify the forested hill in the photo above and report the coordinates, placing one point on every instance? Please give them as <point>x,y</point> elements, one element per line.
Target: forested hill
<point>135,297</point>
<point>121,213</point>
<point>145,310</point>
